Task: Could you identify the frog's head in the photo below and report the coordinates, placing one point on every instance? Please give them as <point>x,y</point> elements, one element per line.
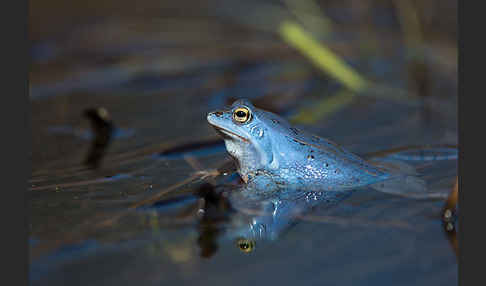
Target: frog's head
<point>246,135</point>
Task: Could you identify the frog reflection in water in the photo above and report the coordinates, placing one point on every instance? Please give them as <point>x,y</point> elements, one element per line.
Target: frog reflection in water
<point>273,217</point>
<point>234,216</point>
<point>288,171</point>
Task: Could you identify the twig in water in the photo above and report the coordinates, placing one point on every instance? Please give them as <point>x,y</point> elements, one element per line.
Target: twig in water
<point>102,127</point>
<point>448,217</point>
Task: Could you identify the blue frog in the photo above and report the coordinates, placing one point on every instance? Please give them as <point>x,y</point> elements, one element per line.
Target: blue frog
<point>272,155</point>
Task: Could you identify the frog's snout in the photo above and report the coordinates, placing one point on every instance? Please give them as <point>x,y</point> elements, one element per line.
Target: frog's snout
<point>217,113</point>
<point>214,114</point>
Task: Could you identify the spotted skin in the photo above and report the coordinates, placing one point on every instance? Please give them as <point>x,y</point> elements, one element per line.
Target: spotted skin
<point>271,154</point>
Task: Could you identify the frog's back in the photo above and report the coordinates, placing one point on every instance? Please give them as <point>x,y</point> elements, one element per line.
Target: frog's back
<point>307,161</point>
<point>320,163</point>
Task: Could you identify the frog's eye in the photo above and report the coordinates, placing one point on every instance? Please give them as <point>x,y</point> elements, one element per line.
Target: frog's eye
<point>241,115</point>
<point>245,245</point>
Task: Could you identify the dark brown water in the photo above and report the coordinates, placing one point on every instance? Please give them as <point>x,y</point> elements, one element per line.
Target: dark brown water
<point>158,68</point>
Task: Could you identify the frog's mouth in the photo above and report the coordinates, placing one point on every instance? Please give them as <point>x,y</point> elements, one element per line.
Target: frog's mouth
<point>225,133</point>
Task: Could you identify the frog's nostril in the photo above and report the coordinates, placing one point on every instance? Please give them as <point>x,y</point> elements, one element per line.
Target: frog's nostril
<point>214,114</point>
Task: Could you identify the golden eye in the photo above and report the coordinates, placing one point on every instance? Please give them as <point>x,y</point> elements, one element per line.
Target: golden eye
<point>241,114</point>
<point>245,245</point>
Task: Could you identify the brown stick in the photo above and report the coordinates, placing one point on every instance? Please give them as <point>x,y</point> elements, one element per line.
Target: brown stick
<point>450,205</point>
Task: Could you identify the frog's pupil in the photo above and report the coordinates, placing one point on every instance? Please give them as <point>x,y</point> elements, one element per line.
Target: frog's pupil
<point>240,113</point>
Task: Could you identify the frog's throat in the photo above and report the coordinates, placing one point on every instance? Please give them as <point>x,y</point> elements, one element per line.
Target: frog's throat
<point>264,158</point>
<point>226,132</point>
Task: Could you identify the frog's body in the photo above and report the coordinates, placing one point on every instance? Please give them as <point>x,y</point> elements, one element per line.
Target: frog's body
<point>272,154</point>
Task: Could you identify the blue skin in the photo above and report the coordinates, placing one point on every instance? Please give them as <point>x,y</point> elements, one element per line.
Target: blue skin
<point>272,155</point>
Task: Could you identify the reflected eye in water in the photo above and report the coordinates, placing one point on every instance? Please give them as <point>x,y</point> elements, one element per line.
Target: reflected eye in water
<point>241,115</point>
<point>245,245</point>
